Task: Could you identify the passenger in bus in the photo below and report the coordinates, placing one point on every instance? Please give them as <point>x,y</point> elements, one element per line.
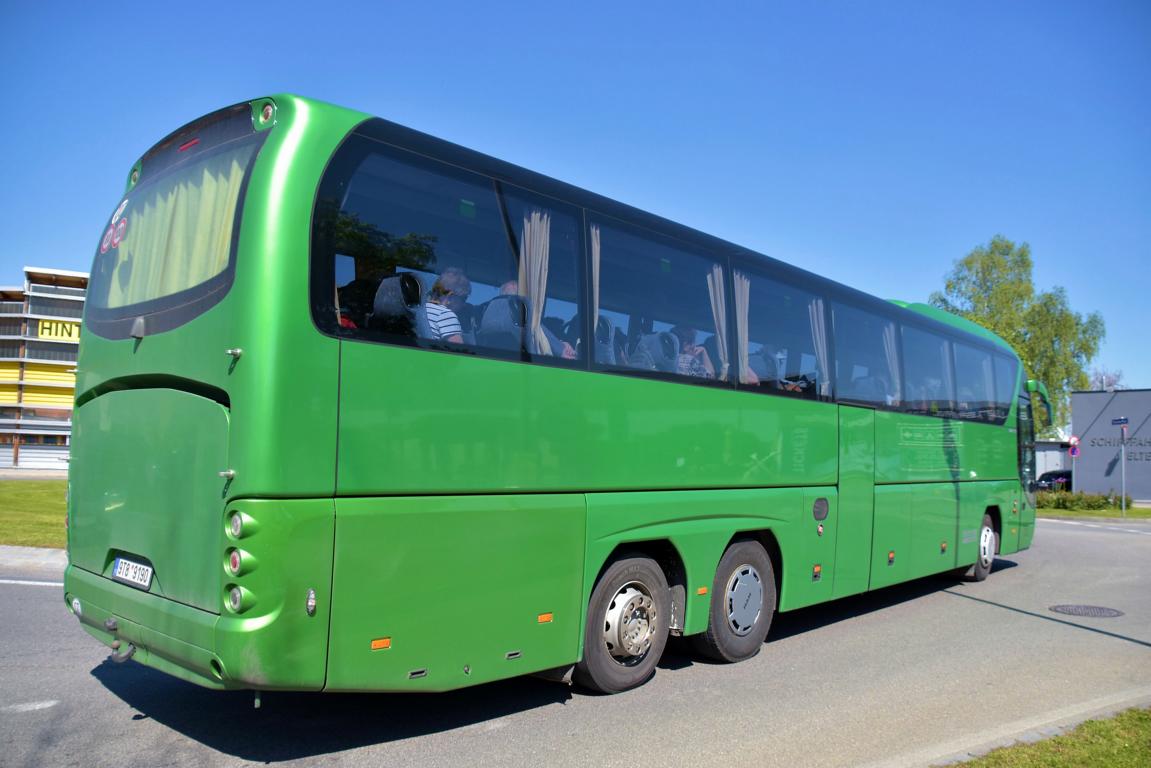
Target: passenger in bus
<point>559,348</point>
<point>449,293</point>
<point>693,359</point>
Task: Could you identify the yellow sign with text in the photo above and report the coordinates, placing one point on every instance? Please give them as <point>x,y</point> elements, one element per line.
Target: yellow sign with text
<point>59,330</point>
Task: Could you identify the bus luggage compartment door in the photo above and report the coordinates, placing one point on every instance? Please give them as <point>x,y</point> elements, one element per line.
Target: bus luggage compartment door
<point>144,488</point>
<point>441,592</point>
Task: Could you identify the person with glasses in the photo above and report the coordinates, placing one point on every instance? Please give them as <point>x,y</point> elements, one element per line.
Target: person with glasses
<point>447,300</point>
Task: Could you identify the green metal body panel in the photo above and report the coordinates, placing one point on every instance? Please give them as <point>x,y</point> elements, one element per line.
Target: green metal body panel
<point>856,500</point>
<point>458,585</point>
<point>274,643</point>
<point>413,421</point>
<point>449,503</point>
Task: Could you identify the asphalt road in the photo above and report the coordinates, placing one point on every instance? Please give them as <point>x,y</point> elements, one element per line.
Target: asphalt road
<point>914,675</point>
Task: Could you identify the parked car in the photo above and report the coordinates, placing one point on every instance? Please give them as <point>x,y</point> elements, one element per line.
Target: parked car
<point>1056,480</point>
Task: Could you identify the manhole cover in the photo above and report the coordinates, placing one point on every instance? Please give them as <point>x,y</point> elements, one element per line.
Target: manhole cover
<point>1094,611</point>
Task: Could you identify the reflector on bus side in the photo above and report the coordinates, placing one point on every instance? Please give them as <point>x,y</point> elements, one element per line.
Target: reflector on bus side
<point>381,644</point>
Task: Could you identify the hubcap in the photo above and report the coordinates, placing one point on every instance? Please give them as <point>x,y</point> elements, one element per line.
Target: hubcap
<point>744,599</point>
<point>630,624</point>
<point>986,547</point>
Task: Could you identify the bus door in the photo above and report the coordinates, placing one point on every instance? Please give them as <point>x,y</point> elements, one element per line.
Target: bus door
<point>856,500</point>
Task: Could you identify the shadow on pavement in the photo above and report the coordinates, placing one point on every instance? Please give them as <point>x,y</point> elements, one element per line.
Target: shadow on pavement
<point>290,726</point>
<point>826,614</point>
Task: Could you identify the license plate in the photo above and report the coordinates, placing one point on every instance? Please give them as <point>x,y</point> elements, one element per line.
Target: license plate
<point>136,574</point>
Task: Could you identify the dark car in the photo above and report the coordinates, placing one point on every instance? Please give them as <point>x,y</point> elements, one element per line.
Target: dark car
<point>1057,480</point>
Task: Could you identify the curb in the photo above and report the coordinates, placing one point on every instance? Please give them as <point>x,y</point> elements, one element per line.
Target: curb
<point>33,558</point>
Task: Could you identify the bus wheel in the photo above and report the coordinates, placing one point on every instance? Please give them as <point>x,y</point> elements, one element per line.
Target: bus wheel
<point>627,623</point>
<point>988,543</point>
<point>742,604</point>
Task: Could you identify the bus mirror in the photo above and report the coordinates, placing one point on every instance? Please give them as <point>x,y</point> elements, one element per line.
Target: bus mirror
<point>1038,388</point>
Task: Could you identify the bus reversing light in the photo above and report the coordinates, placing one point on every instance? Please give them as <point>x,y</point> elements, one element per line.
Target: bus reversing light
<point>239,599</point>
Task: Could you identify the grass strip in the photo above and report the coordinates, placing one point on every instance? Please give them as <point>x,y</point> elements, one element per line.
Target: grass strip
<point>1133,513</point>
<point>1123,741</point>
<point>32,512</point>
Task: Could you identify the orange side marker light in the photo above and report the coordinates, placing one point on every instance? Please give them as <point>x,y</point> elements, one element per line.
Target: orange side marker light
<point>701,591</point>
<point>545,618</point>
<point>381,644</point>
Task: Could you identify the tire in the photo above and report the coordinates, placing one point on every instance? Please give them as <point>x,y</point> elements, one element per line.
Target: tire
<point>742,604</point>
<point>988,546</point>
<point>627,626</point>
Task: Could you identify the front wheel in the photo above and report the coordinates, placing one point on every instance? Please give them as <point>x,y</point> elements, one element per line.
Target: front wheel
<point>988,544</point>
<point>742,604</point>
<point>627,625</point>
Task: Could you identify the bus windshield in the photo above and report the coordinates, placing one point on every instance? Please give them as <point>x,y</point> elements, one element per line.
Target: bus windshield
<point>169,244</point>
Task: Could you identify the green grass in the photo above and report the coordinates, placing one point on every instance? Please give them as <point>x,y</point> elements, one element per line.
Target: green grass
<point>1123,741</point>
<point>1133,513</point>
<point>32,512</point>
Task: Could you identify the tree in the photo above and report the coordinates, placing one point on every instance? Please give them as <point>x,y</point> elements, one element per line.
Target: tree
<point>1105,380</point>
<point>993,286</point>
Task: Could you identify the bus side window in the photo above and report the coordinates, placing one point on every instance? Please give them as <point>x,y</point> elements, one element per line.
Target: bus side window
<point>781,336</point>
<point>657,301</point>
<point>866,357</point>
<point>930,378</point>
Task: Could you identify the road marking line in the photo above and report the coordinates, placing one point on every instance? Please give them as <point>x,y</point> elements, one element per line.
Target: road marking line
<point>22,583</point>
<point>1100,527</point>
<point>32,706</point>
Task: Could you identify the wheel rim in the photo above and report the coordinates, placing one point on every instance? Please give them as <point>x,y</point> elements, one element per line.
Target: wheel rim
<point>986,547</point>
<point>630,624</point>
<point>744,599</point>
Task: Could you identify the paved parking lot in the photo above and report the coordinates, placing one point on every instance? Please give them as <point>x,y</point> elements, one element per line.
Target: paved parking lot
<point>913,675</point>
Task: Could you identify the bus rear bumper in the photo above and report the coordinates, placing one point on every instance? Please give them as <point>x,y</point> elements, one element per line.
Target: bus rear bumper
<point>122,617</point>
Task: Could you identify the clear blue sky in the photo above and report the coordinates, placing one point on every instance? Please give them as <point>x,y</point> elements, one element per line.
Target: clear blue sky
<point>874,143</point>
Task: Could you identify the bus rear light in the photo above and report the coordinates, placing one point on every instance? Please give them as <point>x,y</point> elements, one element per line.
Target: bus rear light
<point>76,607</point>
<point>239,599</point>
<point>235,562</point>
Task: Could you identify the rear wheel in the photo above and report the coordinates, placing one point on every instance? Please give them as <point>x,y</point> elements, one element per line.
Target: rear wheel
<point>742,604</point>
<point>988,544</point>
<point>627,624</point>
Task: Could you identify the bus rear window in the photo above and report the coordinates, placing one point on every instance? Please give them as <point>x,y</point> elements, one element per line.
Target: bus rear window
<point>167,252</point>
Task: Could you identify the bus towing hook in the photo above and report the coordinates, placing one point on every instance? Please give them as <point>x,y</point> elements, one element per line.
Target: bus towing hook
<point>118,656</point>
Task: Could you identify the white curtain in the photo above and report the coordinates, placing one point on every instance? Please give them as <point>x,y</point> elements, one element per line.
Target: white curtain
<point>819,337</point>
<point>742,305</point>
<point>535,244</point>
<point>719,315</point>
<point>891,352</point>
<point>595,250</point>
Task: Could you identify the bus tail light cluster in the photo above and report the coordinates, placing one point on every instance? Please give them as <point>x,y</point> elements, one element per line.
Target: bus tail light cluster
<point>238,562</point>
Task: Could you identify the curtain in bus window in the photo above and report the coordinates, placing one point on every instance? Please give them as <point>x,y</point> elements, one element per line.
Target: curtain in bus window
<point>819,336</point>
<point>719,316</point>
<point>891,352</point>
<point>595,277</point>
<point>742,306</point>
<point>533,272</point>
<point>180,235</point>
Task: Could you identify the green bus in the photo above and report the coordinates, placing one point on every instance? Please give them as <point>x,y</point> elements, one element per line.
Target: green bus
<point>360,409</point>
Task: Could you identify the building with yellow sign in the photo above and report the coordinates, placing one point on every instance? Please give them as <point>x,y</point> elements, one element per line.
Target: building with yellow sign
<point>39,338</point>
